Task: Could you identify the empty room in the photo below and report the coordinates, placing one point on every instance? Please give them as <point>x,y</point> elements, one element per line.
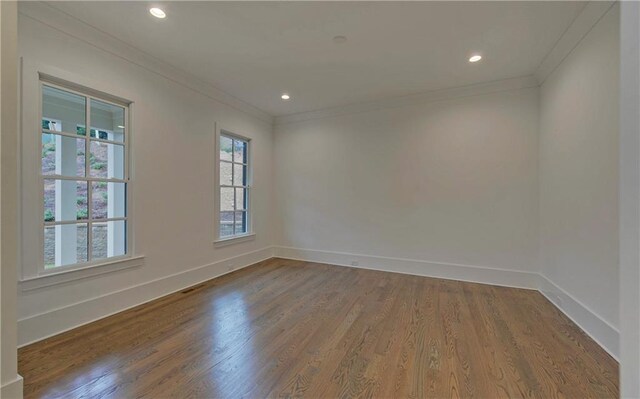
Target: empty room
<point>320,199</point>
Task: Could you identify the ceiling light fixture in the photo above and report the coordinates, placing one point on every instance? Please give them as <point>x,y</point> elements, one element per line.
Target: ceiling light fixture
<point>120,127</point>
<point>475,58</point>
<point>157,12</point>
<point>285,97</point>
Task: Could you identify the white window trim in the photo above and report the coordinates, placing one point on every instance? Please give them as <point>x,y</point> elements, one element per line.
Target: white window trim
<point>77,273</point>
<point>32,272</point>
<point>42,271</point>
<point>250,234</point>
<point>223,242</point>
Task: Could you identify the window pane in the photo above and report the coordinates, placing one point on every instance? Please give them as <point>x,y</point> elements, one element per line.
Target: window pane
<point>240,151</point>
<point>226,224</point>
<point>240,198</point>
<point>63,106</point>
<point>62,155</point>
<point>52,124</point>
<point>239,175</point>
<point>241,222</point>
<point>106,160</point>
<point>107,121</point>
<point>108,239</point>
<point>225,173</point>
<point>108,200</point>
<point>65,244</point>
<point>226,145</point>
<point>226,198</point>
<point>101,134</point>
<point>65,200</point>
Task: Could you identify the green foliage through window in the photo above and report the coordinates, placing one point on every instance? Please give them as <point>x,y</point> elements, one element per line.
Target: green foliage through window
<point>48,148</point>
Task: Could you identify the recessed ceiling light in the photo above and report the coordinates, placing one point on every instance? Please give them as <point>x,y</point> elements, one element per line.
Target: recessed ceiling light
<point>475,58</point>
<point>157,12</point>
<point>339,39</point>
<point>285,96</point>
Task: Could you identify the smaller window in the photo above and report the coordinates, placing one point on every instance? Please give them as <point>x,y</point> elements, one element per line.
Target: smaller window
<point>234,178</point>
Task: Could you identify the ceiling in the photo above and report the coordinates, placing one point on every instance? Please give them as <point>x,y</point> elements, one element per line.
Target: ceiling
<point>255,51</point>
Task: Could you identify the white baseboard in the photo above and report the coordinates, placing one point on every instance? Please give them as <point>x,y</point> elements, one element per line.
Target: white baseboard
<point>597,328</point>
<point>38,327</point>
<point>606,335</point>
<point>12,389</point>
<point>449,271</point>
<point>41,326</point>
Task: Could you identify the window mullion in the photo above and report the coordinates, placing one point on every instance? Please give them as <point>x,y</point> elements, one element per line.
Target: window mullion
<point>87,161</point>
<point>232,150</point>
<point>62,222</point>
<point>83,178</point>
<point>61,133</point>
<point>233,179</point>
<point>234,210</point>
<point>232,186</point>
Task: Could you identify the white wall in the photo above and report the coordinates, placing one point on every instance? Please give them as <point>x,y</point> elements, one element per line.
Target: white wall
<point>451,181</point>
<point>579,173</point>
<point>172,179</point>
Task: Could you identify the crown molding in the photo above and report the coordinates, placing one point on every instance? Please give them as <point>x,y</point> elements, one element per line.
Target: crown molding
<point>57,19</point>
<point>418,98</point>
<point>581,25</point>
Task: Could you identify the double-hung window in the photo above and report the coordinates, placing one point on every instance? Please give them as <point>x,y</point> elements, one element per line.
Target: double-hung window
<point>84,177</point>
<point>234,184</point>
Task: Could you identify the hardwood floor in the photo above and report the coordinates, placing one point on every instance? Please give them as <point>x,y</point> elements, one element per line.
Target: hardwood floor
<point>285,328</point>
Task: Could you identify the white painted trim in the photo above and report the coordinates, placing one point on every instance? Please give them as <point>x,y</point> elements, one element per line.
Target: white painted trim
<point>449,271</point>
<point>31,75</point>
<point>606,335</point>
<point>74,274</point>
<point>223,242</point>
<point>89,94</point>
<point>12,389</point>
<point>418,98</point>
<point>217,240</point>
<point>38,327</point>
<point>581,25</point>
<point>49,15</point>
<point>629,199</point>
<point>601,331</point>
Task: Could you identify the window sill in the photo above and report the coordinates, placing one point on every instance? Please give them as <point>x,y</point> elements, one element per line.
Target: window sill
<point>223,242</point>
<point>65,276</point>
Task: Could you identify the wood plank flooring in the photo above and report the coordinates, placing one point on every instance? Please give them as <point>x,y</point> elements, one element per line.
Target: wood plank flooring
<point>285,328</point>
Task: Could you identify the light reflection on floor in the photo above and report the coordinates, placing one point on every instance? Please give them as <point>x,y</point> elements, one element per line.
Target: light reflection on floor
<point>91,383</point>
<point>233,337</point>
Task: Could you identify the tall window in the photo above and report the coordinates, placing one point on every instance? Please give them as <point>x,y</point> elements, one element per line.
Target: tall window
<point>84,177</point>
<point>234,186</point>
